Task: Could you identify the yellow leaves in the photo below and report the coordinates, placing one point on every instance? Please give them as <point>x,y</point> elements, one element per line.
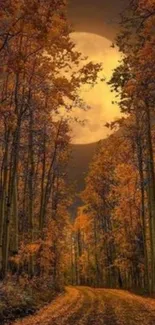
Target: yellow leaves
<point>89,72</point>
<point>37,79</point>
<point>12,122</point>
<point>125,172</point>
<point>146,4</point>
<point>58,25</point>
<point>130,87</point>
<point>32,248</point>
<point>127,180</point>
<point>63,86</point>
<point>82,222</point>
<point>146,54</point>
<point>25,251</point>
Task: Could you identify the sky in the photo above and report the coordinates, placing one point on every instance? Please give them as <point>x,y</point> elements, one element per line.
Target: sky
<point>96,16</point>
<point>100,98</point>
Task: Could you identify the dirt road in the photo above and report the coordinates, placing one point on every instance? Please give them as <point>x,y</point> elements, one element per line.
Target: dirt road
<point>82,305</point>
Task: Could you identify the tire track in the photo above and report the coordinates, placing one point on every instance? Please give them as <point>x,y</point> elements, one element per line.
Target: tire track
<point>104,313</point>
<point>82,314</point>
<point>127,308</point>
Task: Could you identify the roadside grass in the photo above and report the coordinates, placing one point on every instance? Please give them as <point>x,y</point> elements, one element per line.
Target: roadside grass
<point>22,298</point>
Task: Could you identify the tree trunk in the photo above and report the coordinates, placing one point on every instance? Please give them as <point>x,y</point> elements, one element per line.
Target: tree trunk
<point>151,192</point>
<point>31,191</point>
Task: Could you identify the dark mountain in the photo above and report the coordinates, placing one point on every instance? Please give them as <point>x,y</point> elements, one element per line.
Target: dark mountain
<point>81,157</point>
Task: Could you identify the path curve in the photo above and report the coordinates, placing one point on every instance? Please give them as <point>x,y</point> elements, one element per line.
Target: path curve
<point>88,306</point>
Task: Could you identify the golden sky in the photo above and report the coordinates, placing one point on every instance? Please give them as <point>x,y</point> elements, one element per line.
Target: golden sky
<point>100,97</point>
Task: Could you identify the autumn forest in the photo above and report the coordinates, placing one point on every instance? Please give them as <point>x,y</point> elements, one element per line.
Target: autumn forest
<point>97,267</point>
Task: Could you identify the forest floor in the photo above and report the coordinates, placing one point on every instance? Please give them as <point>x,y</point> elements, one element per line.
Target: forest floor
<point>82,305</point>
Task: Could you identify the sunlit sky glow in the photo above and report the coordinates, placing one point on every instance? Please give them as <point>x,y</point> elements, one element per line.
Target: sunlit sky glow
<point>100,97</point>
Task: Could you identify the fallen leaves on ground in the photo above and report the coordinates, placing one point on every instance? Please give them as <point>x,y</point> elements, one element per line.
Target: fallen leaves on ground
<point>88,306</point>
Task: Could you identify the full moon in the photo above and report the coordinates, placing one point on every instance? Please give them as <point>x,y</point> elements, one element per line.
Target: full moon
<point>99,98</point>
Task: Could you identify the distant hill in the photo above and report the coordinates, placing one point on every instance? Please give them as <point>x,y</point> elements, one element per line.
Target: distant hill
<point>81,157</point>
<point>80,160</point>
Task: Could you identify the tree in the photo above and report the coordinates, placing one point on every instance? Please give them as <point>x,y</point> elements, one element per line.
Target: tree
<point>40,78</point>
<point>134,80</point>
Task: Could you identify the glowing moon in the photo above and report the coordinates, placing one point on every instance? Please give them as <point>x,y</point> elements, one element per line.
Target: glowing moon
<point>100,98</point>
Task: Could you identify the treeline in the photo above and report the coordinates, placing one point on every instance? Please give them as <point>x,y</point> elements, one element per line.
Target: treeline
<point>39,82</point>
<point>115,231</point>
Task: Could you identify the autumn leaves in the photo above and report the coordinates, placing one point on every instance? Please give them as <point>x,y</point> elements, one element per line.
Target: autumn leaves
<point>120,188</point>
<point>36,80</point>
<point>114,235</point>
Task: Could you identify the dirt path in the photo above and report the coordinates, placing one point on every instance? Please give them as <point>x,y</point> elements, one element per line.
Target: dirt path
<point>86,306</point>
